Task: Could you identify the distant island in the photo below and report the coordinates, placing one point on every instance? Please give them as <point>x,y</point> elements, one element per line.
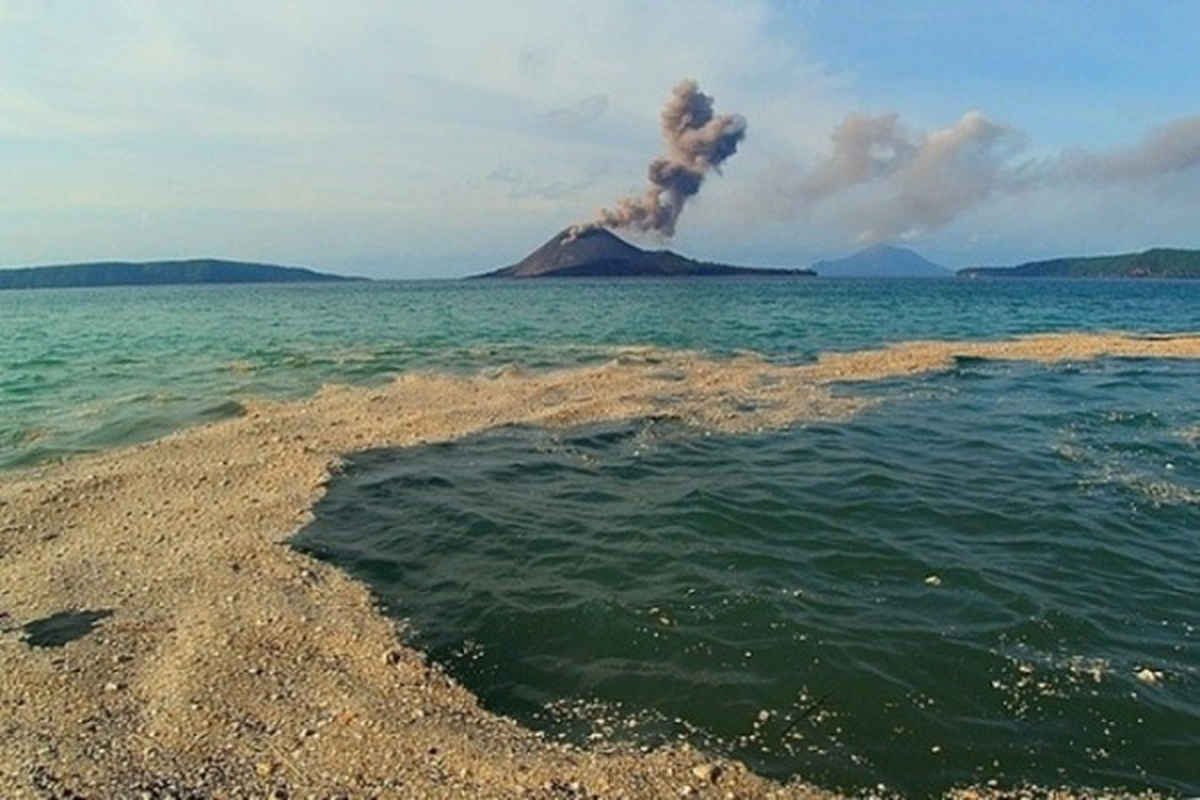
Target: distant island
<point>1155,263</point>
<point>598,253</point>
<point>152,273</point>
<point>881,261</point>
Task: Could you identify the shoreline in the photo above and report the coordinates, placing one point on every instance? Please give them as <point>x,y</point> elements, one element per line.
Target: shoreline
<point>231,665</point>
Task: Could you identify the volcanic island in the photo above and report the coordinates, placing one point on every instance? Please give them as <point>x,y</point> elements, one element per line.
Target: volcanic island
<point>595,252</point>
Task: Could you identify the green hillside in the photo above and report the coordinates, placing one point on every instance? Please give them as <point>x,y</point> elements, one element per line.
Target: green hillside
<point>124,273</point>
<point>1156,263</point>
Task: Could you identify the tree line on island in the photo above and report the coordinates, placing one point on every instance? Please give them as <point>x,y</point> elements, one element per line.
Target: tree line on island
<point>1159,262</point>
<point>696,142</point>
<point>597,253</point>
<point>157,273</point>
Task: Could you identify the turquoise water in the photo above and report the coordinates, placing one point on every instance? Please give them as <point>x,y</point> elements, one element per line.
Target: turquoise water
<point>963,583</point>
<point>86,369</point>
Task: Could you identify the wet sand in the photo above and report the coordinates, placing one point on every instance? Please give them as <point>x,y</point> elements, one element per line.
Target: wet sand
<point>224,664</point>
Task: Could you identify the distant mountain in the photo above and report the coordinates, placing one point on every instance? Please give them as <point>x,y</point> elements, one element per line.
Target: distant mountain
<point>598,253</point>
<point>125,273</point>
<point>881,261</point>
<point>1157,263</point>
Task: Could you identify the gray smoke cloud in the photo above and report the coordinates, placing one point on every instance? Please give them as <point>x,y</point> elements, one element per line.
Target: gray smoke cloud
<point>1174,147</point>
<point>698,141</point>
<point>897,181</point>
<point>917,181</point>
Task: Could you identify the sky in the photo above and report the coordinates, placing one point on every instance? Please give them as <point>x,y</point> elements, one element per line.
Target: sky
<point>437,139</point>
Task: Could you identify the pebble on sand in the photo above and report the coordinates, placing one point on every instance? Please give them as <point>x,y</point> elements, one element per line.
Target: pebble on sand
<point>1150,676</point>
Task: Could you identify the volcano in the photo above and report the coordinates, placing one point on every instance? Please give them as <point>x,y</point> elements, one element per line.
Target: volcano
<point>881,261</point>
<point>598,253</point>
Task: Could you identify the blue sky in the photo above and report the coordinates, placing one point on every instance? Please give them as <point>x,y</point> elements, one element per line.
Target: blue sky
<point>435,139</point>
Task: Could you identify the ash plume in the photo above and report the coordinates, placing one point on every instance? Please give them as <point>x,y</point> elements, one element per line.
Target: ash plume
<point>1171,148</point>
<point>698,141</point>
<point>894,181</point>
<point>915,181</point>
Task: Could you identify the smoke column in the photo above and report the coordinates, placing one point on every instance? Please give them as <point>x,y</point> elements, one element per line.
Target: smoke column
<point>697,141</point>
<point>891,181</point>
<point>1173,147</point>
<point>913,181</point>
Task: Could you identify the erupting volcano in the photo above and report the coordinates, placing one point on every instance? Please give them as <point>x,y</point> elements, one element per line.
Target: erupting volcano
<point>697,142</point>
<point>595,252</point>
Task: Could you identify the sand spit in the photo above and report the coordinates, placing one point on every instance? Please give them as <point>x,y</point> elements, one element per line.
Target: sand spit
<point>212,660</point>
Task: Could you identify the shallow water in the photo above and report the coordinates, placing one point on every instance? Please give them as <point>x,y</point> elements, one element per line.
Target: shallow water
<point>962,584</point>
<point>990,573</point>
<point>86,369</point>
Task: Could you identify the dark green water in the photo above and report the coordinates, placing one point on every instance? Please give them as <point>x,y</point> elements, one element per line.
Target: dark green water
<point>960,585</point>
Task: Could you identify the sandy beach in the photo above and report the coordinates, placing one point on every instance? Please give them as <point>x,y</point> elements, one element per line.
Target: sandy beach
<point>221,663</point>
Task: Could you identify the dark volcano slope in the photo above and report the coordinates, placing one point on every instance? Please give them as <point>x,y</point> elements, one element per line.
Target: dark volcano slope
<point>598,253</point>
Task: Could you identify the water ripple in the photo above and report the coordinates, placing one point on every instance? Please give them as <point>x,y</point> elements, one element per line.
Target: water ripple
<point>952,587</point>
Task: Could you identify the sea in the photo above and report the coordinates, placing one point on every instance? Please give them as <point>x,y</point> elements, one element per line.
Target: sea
<point>988,576</point>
